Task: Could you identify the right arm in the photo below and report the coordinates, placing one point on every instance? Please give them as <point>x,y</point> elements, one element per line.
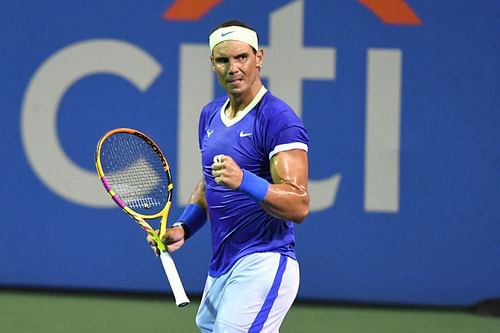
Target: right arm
<point>175,236</point>
<point>198,196</point>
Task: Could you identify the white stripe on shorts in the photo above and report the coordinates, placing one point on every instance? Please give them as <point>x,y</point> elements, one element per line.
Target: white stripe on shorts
<point>254,296</point>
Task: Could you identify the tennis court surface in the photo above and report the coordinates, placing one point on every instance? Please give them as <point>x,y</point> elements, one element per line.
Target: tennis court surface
<point>23,311</point>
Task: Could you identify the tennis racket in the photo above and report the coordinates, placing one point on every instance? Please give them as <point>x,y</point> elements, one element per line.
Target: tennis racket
<point>136,175</point>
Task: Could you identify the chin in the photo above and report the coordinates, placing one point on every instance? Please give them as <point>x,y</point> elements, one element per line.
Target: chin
<point>234,91</point>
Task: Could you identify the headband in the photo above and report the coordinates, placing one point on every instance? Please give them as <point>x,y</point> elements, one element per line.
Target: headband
<point>233,33</point>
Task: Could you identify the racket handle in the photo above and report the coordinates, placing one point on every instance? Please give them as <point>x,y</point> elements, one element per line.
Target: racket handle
<point>180,296</point>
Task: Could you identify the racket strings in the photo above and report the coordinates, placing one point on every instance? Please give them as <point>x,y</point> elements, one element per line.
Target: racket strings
<point>135,172</point>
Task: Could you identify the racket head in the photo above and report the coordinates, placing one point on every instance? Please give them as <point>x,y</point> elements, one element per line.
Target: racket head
<point>135,173</point>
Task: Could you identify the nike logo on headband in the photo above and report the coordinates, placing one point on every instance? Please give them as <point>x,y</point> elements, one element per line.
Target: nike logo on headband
<point>224,34</point>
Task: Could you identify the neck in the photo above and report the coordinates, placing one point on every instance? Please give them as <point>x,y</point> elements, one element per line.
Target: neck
<point>238,102</point>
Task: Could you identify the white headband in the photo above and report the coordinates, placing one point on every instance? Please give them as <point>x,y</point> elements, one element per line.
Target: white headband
<point>233,33</point>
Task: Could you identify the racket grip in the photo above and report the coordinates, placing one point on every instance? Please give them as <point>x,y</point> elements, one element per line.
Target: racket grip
<point>174,279</point>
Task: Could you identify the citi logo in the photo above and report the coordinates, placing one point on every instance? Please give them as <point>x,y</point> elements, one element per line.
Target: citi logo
<point>383,81</point>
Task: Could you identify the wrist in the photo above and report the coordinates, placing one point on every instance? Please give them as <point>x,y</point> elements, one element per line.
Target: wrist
<point>185,228</point>
<point>254,186</point>
<point>191,220</point>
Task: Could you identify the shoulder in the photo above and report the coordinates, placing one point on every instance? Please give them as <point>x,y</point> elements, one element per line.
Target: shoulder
<point>273,108</point>
<point>210,109</point>
<point>273,104</point>
<point>214,105</point>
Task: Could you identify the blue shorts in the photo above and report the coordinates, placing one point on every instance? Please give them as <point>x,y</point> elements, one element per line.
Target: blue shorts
<point>254,296</point>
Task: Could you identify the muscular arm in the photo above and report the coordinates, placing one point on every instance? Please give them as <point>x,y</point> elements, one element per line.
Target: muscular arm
<point>287,198</point>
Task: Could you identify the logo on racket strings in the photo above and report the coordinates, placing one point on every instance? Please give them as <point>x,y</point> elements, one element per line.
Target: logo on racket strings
<point>155,149</point>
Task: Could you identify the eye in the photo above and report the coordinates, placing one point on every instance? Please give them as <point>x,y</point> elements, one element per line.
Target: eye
<point>221,60</point>
<point>242,57</point>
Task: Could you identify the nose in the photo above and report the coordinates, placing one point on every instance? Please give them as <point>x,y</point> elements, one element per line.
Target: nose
<point>233,66</point>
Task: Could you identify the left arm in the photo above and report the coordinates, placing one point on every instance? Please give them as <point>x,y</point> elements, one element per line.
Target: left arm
<point>287,197</point>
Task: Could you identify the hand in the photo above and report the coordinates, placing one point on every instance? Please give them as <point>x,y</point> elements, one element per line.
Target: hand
<point>173,239</point>
<point>227,172</point>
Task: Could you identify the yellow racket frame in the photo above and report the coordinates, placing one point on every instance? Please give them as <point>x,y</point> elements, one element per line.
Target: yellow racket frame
<point>140,219</point>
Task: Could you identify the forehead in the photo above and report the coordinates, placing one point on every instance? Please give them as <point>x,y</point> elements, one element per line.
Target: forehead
<point>231,48</point>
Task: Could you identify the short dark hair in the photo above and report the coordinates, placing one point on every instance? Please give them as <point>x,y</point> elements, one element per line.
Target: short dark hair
<point>233,22</point>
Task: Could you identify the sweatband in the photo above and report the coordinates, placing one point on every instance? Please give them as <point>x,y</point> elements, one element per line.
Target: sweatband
<point>191,220</point>
<point>233,33</point>
<point>253,185</point>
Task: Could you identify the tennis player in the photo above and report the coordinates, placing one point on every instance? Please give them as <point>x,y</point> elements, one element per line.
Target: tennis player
<point>253,190</point>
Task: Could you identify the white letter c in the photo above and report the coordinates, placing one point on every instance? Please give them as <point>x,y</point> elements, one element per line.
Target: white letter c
<point>41,102</point>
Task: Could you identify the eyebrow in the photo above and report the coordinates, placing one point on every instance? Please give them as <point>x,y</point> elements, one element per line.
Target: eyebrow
<point>221,57</point>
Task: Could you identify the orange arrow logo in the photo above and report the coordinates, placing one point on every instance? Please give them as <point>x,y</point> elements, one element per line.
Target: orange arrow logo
<point>389,11</point>
<point>189,10</point>
<point>392,11</point>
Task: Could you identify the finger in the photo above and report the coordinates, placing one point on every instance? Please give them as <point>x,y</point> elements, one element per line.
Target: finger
<point>150,240</point>
<point>218,166</point>
<point>217,173</point>
<point>218,178</point>
<point>155,248</point>
<point>165,239</point>
<point>152,244</point>
<point>169,236</point>
<point>218,158</point>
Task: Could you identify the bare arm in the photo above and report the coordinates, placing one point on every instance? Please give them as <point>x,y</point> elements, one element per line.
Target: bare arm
<point>174,237</point>
<point>198,195</point>
<point>287,197</point>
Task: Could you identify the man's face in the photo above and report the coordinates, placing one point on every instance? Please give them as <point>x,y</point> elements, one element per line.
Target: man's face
<point>236,66</point>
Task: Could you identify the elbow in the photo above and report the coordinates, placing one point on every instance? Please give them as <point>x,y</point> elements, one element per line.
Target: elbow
<point>300,218</point>
<point>292,208</point>
<point>302,211</point>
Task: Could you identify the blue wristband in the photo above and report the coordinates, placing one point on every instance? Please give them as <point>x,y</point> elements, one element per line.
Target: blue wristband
<point>253,185</point>
<point>192,219</point>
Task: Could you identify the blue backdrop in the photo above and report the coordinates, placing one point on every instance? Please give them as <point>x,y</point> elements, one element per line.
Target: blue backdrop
<point>401,101</point>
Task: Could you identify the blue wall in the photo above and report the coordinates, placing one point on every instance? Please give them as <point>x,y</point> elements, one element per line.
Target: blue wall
<point>404,158</point>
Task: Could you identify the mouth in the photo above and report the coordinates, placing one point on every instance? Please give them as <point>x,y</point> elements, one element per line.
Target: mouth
<point>234,81</point>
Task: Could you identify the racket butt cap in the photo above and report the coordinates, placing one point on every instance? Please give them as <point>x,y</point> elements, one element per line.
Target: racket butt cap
<point>183,304</point>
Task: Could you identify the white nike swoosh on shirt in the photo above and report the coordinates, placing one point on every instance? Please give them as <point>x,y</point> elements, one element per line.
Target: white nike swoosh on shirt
<point>243,134</point>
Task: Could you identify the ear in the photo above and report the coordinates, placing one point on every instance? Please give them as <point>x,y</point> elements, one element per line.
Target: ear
<point>212,62</point>
<point>259,58</point>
